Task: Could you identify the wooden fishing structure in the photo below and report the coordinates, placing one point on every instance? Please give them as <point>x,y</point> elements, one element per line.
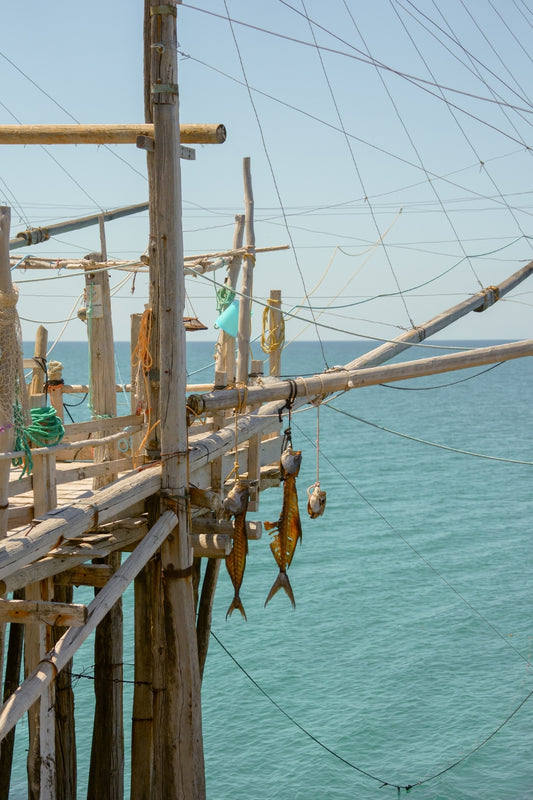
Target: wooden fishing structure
<point>89,514</point>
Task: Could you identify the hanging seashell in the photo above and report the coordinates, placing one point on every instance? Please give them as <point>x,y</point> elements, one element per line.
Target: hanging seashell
<point>316,501</point>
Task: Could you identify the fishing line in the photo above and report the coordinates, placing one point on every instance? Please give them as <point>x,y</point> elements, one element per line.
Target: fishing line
<point>424,441</point>
<point>345,761</point>
<point>441,385</point>
<point>274,179</point>
<point>373,146</point>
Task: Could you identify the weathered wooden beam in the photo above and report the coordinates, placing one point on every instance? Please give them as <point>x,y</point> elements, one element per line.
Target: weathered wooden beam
<point>204,498</point>
<point>211,545</point>
<point>56,659</point>
<point>245,304</point>
<point>343,379</point>
<point>86,575</point>
<point>202,526</point>
<point>40,612</point>
<point>75,520</point>
<point>121,536</point>
<point>105,134</point>
<point>42,234</point>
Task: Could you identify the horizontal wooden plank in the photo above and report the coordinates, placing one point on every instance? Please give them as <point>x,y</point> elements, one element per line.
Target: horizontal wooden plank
<point>81,430</point>
<point>40,612</point>
<point>89,470</point>
<point>86,575</point>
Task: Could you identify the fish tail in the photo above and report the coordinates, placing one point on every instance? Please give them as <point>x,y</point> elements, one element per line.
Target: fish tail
<point>281,582</point>
<point>236,603</point>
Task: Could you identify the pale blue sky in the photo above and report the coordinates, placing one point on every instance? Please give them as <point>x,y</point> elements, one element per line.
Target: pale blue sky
<point>404,148</point>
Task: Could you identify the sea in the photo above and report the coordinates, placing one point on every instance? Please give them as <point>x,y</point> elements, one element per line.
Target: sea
<point>407,660</point>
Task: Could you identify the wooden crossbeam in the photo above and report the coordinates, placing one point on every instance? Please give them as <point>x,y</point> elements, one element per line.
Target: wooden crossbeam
<point>105,134</point>
<point>39,612</point>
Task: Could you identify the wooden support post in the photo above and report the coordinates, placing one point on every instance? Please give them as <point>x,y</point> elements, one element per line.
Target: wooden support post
<point>7,375</point>
<point>178,751</point>
<point>243,338</point>
<point>55,387</point>
<point>7,394</point>
<point>38,640</point>
<point>37,397</point>
<point>225,347</point>
<point>106,774</point>
<point>12,679</point>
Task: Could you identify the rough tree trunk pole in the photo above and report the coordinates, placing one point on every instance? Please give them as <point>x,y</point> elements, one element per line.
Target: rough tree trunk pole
<point>180,759</point>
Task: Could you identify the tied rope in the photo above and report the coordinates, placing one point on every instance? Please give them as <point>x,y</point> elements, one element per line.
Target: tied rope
<point>238,410</point>
<point>224,296</point>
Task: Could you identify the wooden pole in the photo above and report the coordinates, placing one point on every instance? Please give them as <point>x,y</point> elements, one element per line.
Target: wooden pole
<point>245,304</point>
<point>37,398</point>
<point>37,235</point>
<point>225,348</point>
<point>106,774</point>
<point>343,379</point>
<point>12,679</point>
<point>38,640</point>
<point>479,301</point>
<point>7,396</point>
<point>105,134</point>
<point>180,758</point>
<point>7,375</point>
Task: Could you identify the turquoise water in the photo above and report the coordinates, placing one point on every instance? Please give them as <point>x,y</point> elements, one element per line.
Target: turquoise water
<point>410,642</point>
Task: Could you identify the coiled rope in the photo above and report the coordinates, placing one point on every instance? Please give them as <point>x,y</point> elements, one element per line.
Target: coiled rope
<point>45,430</point>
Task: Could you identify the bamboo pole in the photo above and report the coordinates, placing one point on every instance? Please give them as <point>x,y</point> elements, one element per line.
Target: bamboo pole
<point>243,337</point>
<point>179,761</point>
<point>275,320</point>
<point>106,134</point>
<point>57,658</point>
<point>343,379</point>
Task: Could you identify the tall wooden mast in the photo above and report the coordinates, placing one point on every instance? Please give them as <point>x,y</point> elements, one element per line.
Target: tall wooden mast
<point>178,748</point>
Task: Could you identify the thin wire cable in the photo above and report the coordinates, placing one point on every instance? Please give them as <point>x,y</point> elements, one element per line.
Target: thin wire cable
<point>371,145</point>
<point>356,167</point>
<point>424,441</point>
<point>274,179</point>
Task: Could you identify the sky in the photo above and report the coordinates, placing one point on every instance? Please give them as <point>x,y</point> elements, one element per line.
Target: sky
<point>389,147</point>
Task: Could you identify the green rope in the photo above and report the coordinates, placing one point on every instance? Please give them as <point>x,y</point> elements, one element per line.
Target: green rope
<point>45,430</point>
<point>224,296</point>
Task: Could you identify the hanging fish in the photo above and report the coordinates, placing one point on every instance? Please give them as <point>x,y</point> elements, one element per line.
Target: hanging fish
<point>288,526</point>
<point>316,502</point>
<point>236,504</point>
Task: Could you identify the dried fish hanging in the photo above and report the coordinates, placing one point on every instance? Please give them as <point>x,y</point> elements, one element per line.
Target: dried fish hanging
<point>287,531</point>
<point>236,504</point>
<point>316,502</point>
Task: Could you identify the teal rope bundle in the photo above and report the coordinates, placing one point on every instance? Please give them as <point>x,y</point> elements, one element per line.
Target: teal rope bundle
<point>45,430</point>
<point>225,296</point>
